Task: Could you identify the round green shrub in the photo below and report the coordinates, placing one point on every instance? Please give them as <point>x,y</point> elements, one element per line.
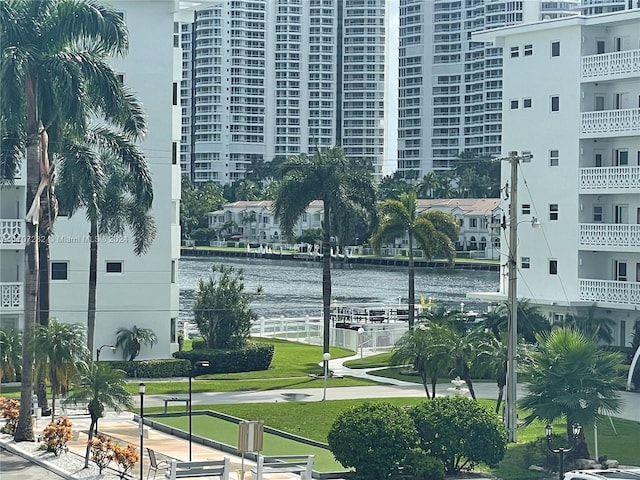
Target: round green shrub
<point>460,432</point>
<point>373,438</point>
<point>422,466</point>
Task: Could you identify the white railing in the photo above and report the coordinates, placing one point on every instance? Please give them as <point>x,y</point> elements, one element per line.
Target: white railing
<point>611,122</point>
<point>598,178</point>
<point>609,291</point>
<point>609,235</point>
<point>12,231</point>
<point>611,64</point>
<point>11,295</point>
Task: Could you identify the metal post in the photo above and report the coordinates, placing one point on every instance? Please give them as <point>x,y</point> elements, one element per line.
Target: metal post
<point>325,358</point>
<point>512,341</point>
<point>190,377</point>
<point>112,347</point>
<point>576,430</point>
<point>141,388</point>
<point>361,338</point>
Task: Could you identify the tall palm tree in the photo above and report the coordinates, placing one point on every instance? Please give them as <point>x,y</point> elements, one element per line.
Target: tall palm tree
<point>59,350</point>
<point>107,175</point>
<point>101,386</point>
<point>434,231</point>
<point>53,74</point>
<point>571,378</point>
<point>342,185</point>
<point>10,354</point>
<point>130,340</point>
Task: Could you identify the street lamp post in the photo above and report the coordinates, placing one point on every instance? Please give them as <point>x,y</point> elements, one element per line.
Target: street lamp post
<point>462,308</point>
<point>203,364</point>
<point>326,356</point>
<point>361,338</point>
<point>141,388</point>
<point>112,347</point>
<point>576,429</point>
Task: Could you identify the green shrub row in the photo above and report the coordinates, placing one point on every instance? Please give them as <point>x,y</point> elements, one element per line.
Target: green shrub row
<point>165,368</point>
<point>254,356</point>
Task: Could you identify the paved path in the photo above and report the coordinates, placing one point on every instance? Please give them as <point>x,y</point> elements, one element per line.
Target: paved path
<point>13,467</point>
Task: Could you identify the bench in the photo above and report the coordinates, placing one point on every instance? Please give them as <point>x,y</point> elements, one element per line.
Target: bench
<point>208,468</point>
<point>300,464</point>
<point>184,400</point>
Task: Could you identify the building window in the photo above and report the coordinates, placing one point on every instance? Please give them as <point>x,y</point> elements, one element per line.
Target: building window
<point>174,153</point>
<point>514,104</point>
<point>553,211</point>
<point>555,49</point>
<point>620,270</point>
<point>554,158</point>
<point>172,330</point>
<point>598,213</point>
<point>515,52</point>
<point>555,103</point>
<point>526,209</point>
<point>553,267</point>
<point>473,222</point>
<point>173,271</point>
<point>175,93</point>
<point>528,50</point>
<point>114,267</point>
<point>526,103</point>
<point>525,262</point>
<point>59,270</point>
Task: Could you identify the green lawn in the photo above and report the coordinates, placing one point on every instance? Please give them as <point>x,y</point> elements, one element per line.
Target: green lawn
<point>313,420</point>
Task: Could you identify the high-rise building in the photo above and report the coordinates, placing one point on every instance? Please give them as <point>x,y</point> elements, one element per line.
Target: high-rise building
<point>131,290</point>
<point>273,78</point>
<point>450,85</point>
<point>574,103</point>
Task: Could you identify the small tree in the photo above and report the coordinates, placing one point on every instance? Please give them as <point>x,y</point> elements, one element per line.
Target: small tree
<point>131,340</point>
<point>221,308</point>
<point>460,432</point>
<point>373,438</point>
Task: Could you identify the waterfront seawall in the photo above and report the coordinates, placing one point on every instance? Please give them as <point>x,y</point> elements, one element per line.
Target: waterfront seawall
<point>461,264</point>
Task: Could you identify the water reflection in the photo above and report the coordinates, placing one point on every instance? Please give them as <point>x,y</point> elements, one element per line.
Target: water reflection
<point>293,288</point>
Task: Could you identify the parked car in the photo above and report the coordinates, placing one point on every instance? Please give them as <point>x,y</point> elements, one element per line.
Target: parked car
<point>609,474</point>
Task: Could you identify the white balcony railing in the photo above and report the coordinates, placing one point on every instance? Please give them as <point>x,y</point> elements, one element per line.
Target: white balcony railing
<point>609,291</point>
<point>610,65</point>
<point>11,232</point>
<point>610,123</point>
<point>600,178</point>
<point>11,295</point>
<point>609,235</point>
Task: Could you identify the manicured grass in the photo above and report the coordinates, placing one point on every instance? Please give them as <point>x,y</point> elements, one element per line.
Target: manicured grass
<point>292,366</point>
<point>227,432</point>
<point>313,420</point>
<point>372,361</point>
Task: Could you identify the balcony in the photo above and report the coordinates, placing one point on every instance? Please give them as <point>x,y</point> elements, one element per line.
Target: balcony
<point>610,123</point>
<point>601,180</point>
<point>11,295</point>
<point>611,66</point>
<point>609,237</point>
<point>609,291</point>
<point>12,233</point>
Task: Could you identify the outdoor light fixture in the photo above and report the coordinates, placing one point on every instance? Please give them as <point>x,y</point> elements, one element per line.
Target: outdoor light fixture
<point>326,356</point>
<point>360,333</point>
<point>112,347</point>
<point>576,429</point>
<point>201,364</point>
<point>141,388</point>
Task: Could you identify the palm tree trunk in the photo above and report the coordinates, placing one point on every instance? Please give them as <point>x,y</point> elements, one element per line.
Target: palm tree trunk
<point>43,298</point>
<point>94,424</point>
<point>53,405</point>
<point>93,280</point>
<point>425,383</point>
<point>326,277</point>
<point>412,293</point>
<point>24,428</point>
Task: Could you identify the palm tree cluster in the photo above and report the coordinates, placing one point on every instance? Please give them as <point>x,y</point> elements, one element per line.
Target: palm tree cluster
<point>63,104</point>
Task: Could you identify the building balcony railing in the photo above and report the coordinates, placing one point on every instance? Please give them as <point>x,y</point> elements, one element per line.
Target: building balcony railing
<point>11,295</point>
<point>610,179</point>
<point>611,65</point>
<point>12,232</point>
<point>609,291</point>
<point>610,123</point>
<point>609,236</point>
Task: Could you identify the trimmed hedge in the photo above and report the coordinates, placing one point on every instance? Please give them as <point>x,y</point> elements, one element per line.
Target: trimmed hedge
<point>254,356</point>
<point>165,368</point>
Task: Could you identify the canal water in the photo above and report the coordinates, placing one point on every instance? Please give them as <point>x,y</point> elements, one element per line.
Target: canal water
<point>292,288</point>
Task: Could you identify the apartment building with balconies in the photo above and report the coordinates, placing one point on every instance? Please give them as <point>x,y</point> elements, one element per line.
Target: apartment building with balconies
<point>131,290</point>
<point>265,79</point>
<point>574,103</point>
